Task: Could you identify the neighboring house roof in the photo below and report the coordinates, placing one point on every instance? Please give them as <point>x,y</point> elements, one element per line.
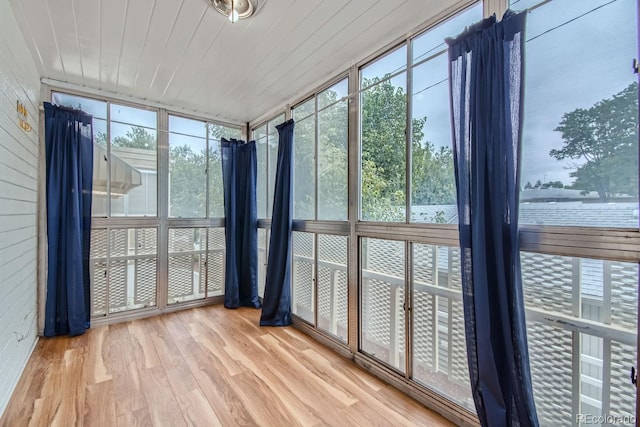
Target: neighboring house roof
<point>587,214</point>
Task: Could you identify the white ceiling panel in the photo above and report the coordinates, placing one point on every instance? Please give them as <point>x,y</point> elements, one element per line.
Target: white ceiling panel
<point>182,53</point>
<point>133,41</point>
<point>88,31</point>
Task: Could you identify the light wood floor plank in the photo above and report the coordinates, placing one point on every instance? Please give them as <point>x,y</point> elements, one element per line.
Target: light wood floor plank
<point>202,367</point>
<point>100,406</point>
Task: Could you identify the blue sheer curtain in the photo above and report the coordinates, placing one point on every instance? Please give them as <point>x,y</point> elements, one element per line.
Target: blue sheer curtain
<point>69,164</point>
<point>486,66</point>
<point>276,309</point>
<point>239,167</point>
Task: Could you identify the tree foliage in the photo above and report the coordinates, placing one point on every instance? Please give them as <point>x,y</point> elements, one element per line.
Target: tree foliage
<point>384,157</point>
<point>136,137</point>
<point>605,137</point>
<point>332,159</point>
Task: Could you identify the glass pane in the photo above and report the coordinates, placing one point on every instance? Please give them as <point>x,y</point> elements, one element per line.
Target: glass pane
<point>215,262</point>
<point>305,109</point>
<point>98,109</point>
<point>134,170</point>
<point>218,132</point>
<point>433,190</point>
<point>144,294</point>
<point>272,144</point>
<point>550,350</point>
<point>382,300</point>
<point>187,256</point>
<point>98,273</point>
<point>439,346</point>
<point>560,292</point>
<point>260,136</point>
<point>333,162</point>
<point>133,116</point>
<point>263,244</point>
<point>302,279</point>
<point>216,188</point>
<point>304,178</point>
<point>383,161</point>
<point>188,126</point>
<point>334,93</point>
<point>99,202</point>
<point>187,176</point>
<point>332,285</point>
<point>580,138</point>
<point>127,281</point>
<point>432,41</point>
<point>389,64</point>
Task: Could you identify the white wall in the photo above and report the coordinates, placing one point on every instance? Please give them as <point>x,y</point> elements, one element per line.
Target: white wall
<point>19,81</point>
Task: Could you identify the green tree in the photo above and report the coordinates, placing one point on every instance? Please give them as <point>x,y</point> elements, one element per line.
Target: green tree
<point>136,137</point>
<point>384,157</point>
<point>186,182</point>
<point>605,136</point>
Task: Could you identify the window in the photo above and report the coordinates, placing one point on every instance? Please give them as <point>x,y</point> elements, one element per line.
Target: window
<point>580,168</point>
<point>580,138</point>
<point>321,156</point>
<point>272,158</point>
<point>125,168</point>
<point>439,347</point>
<point>383,114</point>
<point>581,314</point>
<point>433,190</point>
<point>388,86</point>
<point>319,281</point>
<point>196,263</point>
<point>333,153</point>
<point>195,168</point>
<point>303,276</point>
<point>410,289</point>
<point>123,264</point>
<point>304,155</point>
<point>266,137</point>
<point>383,300</point>
<point>126,183</point>
<point>187,168</point>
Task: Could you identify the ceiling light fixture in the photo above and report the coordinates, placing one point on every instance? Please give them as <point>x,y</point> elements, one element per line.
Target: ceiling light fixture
<point>234,9</point>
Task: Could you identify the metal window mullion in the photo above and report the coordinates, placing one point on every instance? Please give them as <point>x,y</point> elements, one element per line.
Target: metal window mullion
<point>162,282</point>
<point>575,377</point>
<point>316,162</point>
<point>108,273</point>
<point>108,159</point>
<point>606,342</point>
<point>314,278</point>
<point>206,263</point>
<point>575,335</point>
<point>353,212</point>
<point>408,134</point>
<point>207,212</point>
<point>408,312</point>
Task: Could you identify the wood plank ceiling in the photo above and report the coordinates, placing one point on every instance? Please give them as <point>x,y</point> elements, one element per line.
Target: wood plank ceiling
<point>182,53</point>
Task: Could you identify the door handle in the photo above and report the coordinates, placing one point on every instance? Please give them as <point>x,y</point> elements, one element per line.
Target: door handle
<point>634,376</point>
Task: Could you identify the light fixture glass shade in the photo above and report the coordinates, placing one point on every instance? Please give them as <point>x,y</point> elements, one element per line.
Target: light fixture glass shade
<point>234,9</point>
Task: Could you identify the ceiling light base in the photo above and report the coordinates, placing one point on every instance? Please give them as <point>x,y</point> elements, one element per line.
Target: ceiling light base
<point>234,9</point>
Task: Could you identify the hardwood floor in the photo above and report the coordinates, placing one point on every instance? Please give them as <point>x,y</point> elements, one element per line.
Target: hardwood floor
<point>202,367</point>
